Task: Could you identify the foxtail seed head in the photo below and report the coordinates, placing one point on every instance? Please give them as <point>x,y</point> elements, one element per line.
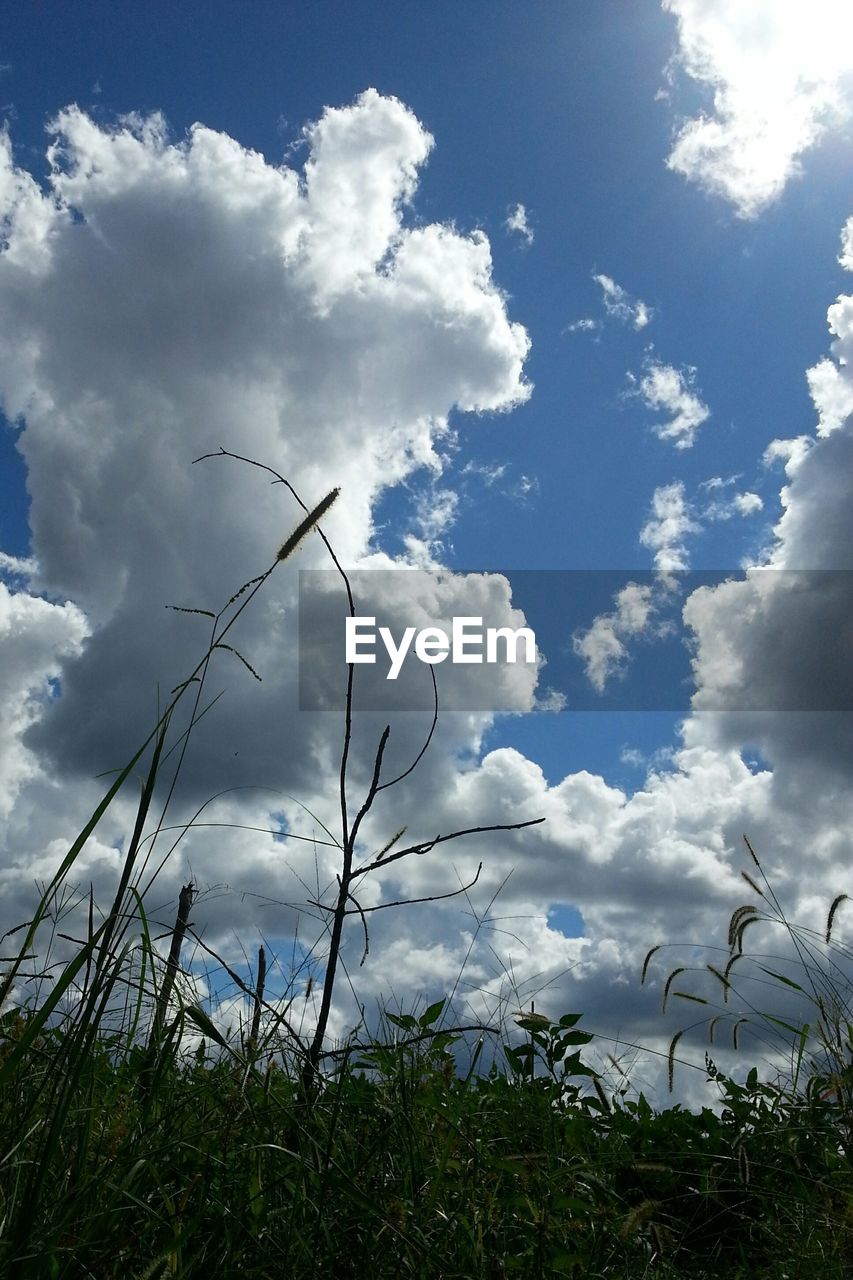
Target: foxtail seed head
<point>287,549</point>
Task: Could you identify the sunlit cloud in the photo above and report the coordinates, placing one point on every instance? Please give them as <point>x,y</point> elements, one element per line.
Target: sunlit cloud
<point>780,75</point>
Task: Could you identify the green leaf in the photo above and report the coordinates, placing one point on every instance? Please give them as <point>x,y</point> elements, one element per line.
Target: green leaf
<point>405,1020</point>
<point>534,1022</point>
<point>205,1024</point>
<point>576,1037</point>
<point>429,1016</point>
<point>780,977</point>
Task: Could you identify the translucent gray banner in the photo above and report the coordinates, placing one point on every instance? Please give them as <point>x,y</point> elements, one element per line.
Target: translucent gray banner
<point>609,640</point>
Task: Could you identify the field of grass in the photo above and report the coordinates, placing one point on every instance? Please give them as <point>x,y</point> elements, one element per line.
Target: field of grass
<point>221,1164</point>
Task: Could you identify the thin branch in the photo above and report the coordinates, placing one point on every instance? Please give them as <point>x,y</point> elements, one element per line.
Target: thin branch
<point>374,785</point>
<point>427,845</point>
<point>409,902</point>
<point>352,898</point>
<point>400,776</point>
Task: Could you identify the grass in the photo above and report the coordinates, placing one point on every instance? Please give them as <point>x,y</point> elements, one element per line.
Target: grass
<point>402,1166</point>
<point>140,1141</point>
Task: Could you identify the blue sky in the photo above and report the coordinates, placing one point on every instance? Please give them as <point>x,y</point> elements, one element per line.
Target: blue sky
<point>640,213</point>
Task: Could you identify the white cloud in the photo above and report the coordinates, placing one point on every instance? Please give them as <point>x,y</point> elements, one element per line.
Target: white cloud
<point>17,566</point>
<point>517,224</point>
<point>162,299</point>
<point>830,391</point>
<point>602,647</point>
<point>846,255</point>
<point>790,452</point>
<point>586,324</point>
<point>619,305</point>
<point>719,482</point>
<point>434,514</point>
<point>747,504</point>
<point>664,387</point>
<point>733,504</point>
<point>488,472</point>
<point>829,380</point>
<point>779,71</point>
<point>35,637</point>
<point>190,302</point>
<point>669,523</point>
<point>769,652</point>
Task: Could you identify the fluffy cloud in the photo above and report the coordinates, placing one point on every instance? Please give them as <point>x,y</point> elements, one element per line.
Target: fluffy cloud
<point>638,608</point>
<point>35,637</point>
<point>829,380</point>
<point>780,77</point>
<point>185,295</point>
<point>664,387</point>
<point>163,299</point>
<point>781,641</point>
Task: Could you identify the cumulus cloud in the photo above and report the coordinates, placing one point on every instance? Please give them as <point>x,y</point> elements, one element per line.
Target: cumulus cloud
<point>829,380</point>
<point>790,452</point>
<point>774,650</point>
<point>163,298</point>
<point>663,387</point>
<point>35,637</point>
<point>186,295</point>
<point>782,638</point>
<point>517,224</point>
<point>637,612</point>
<point>780,75</point>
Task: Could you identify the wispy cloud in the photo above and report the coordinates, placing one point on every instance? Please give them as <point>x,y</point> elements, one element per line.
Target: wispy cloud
<point>727,504</point>
<point>602,647</point>
<point>435,513</point>
<point>517,224</point>
<point>586,324</point>
<point>17,566</point>
<point>488,472</point>
<point>620,305</point>
<point>663,387</point>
